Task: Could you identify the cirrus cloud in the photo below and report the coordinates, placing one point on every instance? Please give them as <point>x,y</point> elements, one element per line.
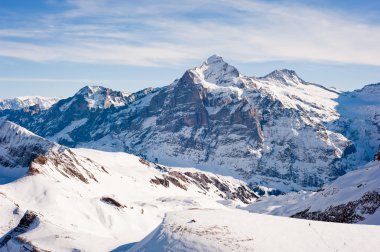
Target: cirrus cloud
<point>152,33</point>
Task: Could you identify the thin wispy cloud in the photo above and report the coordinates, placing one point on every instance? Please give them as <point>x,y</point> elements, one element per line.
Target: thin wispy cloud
<point>152,33</point>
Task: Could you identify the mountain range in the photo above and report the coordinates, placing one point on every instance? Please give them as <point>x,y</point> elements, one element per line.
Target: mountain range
<point>277,131</point>
<point>25,102</point>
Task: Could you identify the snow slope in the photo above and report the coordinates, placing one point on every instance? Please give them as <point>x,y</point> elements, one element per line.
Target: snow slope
<point>96,201</point>
<point>352,198</point>
<point>234,230</point>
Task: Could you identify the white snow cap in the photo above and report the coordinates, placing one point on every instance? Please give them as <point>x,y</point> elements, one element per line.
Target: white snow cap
<point>22,102</point>
<point>90,89</point>
<point>214,59</point>
<point>285,76</point>
<point>216,70</point>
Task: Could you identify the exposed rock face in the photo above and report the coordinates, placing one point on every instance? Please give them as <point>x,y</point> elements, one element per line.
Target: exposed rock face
<point>278,131</point>
<point>27,222</point>
<point>66,163</point>
<point>350,212</point>
<point>206,182</point>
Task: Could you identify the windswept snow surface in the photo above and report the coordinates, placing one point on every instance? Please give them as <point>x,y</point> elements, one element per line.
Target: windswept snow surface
<point>235,230</point>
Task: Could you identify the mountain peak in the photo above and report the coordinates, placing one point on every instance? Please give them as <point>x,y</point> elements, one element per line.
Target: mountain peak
<point>90,89</point>
<point>216,70</point>
<point>102,97</point>
<point>214,59</point>
<point>283,72</point>
<point>285,76</point>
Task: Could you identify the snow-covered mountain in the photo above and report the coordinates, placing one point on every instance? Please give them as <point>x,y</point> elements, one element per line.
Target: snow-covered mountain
<point>352,198</point>
<point>88,200</point>
<point>71,113</point>
<point>98,97</point>
<point>25,102</point>
<point>277,131</point>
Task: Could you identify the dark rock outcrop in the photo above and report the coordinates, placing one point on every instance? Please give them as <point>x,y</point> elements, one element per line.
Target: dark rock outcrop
<point>112,202</point>
<point>350,212</point>
<point>27,222</point>
<point>204,182</point>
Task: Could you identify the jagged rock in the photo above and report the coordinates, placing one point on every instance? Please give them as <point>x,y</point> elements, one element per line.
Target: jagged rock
<point>66,163</point>
<point>205,182</point>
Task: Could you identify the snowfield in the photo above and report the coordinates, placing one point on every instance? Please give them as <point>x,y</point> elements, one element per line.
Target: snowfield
<point>109,203</point>
<point>236,230</point>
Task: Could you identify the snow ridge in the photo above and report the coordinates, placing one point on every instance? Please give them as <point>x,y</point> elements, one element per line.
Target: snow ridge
<point>25,102</point>
<point>234,230</point>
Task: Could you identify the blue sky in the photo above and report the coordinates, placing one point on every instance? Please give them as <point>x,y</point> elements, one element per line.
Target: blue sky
<point>54,47</point>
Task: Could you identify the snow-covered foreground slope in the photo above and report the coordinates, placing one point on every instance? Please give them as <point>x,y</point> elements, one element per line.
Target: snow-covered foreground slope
<point>235,230</point>
<point>352,198</point>
<point>96,201</point>
<point>25,102</point>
